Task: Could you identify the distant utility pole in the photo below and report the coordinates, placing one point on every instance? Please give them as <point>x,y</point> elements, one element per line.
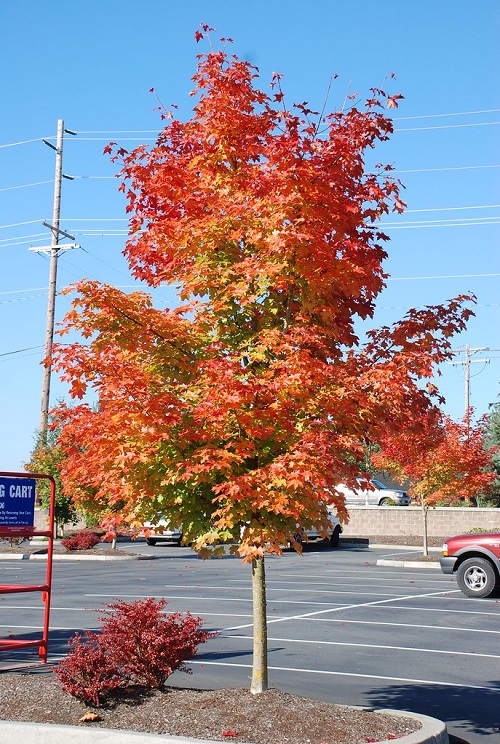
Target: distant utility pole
<point>468,361</point>
<point>53,251</point>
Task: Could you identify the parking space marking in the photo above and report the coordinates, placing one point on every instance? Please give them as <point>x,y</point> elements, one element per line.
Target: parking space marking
<point>447,610</point>
<point>357,585</point>
<point>372,645</point>
<point>202,598</point>
<point>248,587</point>
<point>401,625</point>
<point>201,662</point>
<point>52,627</point>
<point>345,607</point>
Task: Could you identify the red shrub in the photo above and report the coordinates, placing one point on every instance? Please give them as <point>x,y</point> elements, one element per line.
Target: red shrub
<point>88,672</point>
<point>83,540</point>
<point>150,645</point>
<point>139,645</point>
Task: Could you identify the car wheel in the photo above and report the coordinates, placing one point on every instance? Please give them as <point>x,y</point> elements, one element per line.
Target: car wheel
<point>334,537</point>
<point>179,541</point>
<point>298,539</point>
<point>151,541</point>
<point>476,577</point>
<point>383,502</point>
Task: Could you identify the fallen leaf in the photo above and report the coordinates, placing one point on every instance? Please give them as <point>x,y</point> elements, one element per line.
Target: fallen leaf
<point>89,716</point>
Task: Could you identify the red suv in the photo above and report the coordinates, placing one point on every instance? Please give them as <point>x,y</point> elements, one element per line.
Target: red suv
<point>475,559</point>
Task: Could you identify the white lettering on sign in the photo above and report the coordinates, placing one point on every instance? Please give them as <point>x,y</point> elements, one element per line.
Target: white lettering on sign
<point>2,490</point>
<point>20,492</point>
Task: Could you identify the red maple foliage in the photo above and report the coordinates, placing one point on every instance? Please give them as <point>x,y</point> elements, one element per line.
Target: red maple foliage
<point>138,645</point>
<point>243,407</point>
<point>444,460</point>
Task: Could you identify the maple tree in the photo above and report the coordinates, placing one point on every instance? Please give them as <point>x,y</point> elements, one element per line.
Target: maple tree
<point>237,412</point>
<point>444,460</point>
<point>46,457</point>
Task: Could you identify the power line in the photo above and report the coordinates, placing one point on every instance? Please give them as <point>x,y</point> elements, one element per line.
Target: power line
<point>114,177</point>
<point>447,126</point>
<point>20,351</point>
<point>432,170</point>
<point>17,224</point>
<point>450,219</point>
<point>125,219</point>
<point>450,209</point>
<point>26,185</point>
<point>20,299</point>
<point>25,142</point>
<point>396,129</point>
<point>455,113</point>
<point>155,131</point>
<point>20,237</point>
<point>18,291</point>
<point>22,242</point>
<point>424,225</point>
<point>443,276</point>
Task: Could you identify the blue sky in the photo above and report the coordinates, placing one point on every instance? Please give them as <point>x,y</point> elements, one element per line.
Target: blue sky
<point>92,65</point>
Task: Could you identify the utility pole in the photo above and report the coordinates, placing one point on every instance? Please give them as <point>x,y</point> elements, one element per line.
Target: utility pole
<point>53,251</point>
<point>468,361</point>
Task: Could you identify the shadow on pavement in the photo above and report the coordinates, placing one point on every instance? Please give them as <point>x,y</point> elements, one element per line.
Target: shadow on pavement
<point>469,710</point>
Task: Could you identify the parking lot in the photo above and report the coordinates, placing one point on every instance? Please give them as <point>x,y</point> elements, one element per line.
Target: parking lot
<point>341,628</point>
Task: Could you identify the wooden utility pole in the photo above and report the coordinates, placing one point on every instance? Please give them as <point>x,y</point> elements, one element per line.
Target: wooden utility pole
<point>468,361</point>
<point>53,250</point>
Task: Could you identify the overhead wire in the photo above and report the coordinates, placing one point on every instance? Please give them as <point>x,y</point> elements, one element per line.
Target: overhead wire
<point>155,131</point>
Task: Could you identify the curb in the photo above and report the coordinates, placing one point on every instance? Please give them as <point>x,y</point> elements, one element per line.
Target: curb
<point>69,557</point>
<point>433,731</point>
<point>408,564</point>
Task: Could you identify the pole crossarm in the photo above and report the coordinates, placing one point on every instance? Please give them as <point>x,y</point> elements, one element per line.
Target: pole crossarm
<point>468,351</point>
<point>58,230</point>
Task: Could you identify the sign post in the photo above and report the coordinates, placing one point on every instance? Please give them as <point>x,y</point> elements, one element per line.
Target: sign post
<point>17,519</point>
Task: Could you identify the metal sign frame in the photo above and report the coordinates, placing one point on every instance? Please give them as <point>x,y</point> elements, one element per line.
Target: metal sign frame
<point>9,531</point>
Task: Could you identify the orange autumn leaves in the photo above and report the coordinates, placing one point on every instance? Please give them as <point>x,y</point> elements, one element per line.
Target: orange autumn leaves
<point>246,404</point>
<point>444,460</point>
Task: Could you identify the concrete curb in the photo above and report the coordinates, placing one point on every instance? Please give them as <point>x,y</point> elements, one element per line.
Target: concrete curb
<point>407,564</point>
<point>433,731</point>
<point>70,557</point>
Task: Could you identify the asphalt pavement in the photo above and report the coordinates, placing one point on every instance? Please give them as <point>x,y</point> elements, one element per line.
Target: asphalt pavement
<point>341,628</point>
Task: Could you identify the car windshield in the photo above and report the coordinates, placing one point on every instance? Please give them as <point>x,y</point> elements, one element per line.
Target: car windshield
<point>378,484</point>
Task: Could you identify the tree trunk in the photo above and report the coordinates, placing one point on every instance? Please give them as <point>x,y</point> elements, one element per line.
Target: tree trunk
<point>259,667</point>
<point>424,523</point>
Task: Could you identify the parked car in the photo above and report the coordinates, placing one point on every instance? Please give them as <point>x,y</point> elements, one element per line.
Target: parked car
<point>475,559</point>
<point>309,536</point>
<point>374,493</point>
<point>163,532</point>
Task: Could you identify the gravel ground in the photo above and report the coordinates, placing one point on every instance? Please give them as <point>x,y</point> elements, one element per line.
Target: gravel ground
<point>274,717</point>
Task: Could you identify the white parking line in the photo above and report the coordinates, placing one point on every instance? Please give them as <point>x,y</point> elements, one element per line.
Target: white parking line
<point>201,662</point>
<point>448,611</point>
<point>400,625</point>
<point>372,645</point>
<point>217,599</point>
<point>247,587</point>
<point>345,607</point>
<point>52,627</point>
<point>391,585</point>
